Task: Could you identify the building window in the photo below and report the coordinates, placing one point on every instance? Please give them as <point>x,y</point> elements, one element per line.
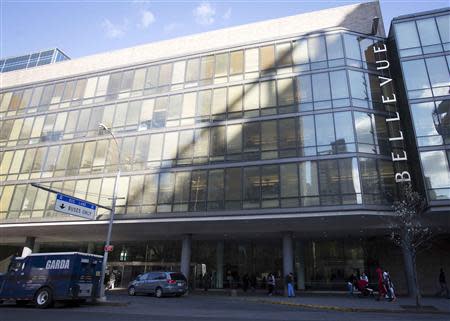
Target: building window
<point>437,174</point>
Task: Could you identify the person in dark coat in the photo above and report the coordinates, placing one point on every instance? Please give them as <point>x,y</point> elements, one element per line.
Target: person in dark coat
<point>271,283</point>
<point>443,284</point>
<point>290,284</point>
<point>245,282</point>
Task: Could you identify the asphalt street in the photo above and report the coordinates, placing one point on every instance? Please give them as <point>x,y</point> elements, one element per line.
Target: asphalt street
<point>195,308</point>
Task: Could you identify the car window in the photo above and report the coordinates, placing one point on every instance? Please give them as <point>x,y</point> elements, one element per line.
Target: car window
<point>177,276</point>
<point>161,276</point>
<point>150,276</point>
<point>16,266</point>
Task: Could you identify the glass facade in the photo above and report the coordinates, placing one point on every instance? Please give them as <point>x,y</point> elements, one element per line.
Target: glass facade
<point>32,60</point>
<point>423,46</point>
<point>232,130</point>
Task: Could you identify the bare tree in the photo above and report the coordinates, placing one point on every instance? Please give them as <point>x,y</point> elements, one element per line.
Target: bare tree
<point>410,231</point>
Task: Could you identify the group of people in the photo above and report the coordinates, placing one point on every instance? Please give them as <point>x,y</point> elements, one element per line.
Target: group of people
<point>289,281</point>
<point>386,288</point>
<point>360,283</point>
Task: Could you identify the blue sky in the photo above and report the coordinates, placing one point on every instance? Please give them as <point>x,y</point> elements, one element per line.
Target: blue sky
<point>82,28</point>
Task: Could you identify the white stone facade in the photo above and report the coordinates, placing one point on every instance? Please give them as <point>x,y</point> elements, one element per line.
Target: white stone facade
<point>356,17</point>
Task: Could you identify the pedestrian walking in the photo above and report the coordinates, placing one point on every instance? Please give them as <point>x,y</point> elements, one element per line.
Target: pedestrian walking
<point>443,284</point>
<point>245,282</point>
<point>389,285</point>
<point>381,287</point>
<point>290,285</point>
<point>351,284</point>
<point>112,280</point>
<point>206,281</point>
<point>229,279</point>
<point>253,282</point>
<point>270,283</point>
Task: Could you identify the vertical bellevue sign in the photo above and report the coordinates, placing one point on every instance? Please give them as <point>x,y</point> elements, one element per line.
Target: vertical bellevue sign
<point>383,64</point>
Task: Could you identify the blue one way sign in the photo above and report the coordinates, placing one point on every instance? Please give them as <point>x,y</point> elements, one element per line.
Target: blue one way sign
<point>74,206</point>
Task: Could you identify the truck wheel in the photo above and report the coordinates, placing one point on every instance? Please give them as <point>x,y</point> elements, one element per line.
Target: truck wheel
<point>158,292</point>
<point>43,298</point>
<point>132,291</point>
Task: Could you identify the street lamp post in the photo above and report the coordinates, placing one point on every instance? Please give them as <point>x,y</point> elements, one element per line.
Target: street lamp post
<point>111,217</point>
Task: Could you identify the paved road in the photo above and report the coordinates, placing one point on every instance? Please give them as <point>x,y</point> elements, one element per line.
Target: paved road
<point>195,308</point>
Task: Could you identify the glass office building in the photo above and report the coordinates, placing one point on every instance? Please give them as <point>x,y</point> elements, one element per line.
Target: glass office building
<point>267,152</point>
<point>423,53</point>
<point>32,60</point>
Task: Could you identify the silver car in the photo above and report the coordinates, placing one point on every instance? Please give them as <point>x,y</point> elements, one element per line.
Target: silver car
<point>159,284</point>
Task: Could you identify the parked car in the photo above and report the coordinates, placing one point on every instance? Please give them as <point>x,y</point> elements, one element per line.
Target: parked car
<point>159,284</point>
<point>47,277</point>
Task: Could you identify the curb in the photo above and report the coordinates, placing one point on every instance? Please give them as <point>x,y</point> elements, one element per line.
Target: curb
<point>345,309</point>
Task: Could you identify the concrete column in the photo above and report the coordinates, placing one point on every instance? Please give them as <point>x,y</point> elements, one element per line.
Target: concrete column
<point>288,257</point>
<point>186,255</point>
<point>300,265</point>
<point>29,245</point>
<point>36,247</point>
<point>219,264</point>
<point>90,247</point>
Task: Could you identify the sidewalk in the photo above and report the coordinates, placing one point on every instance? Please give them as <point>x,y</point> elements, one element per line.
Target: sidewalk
<point>341,301</point>
<point>358,304</point>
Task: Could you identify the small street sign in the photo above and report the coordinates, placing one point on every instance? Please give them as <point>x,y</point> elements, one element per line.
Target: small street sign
<point>74,206</point>
<point>109,248</point>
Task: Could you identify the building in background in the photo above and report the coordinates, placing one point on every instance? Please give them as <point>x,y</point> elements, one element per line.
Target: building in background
<point>421,44</point>
<point>32,60</point>
<point>248,150</point>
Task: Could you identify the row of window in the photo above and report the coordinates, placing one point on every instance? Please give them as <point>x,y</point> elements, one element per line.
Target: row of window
<point>322,134</point>
<point>423,36</point>
<point>436,170</point>
<point>305,93</point>
<point>32,60</point>
<point>310,183</point>
<point>432,122</point>
<point>310,53</point>
<point>427,77</point>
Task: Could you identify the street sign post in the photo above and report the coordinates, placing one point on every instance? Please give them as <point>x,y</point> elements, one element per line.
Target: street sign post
<point>74,206</point>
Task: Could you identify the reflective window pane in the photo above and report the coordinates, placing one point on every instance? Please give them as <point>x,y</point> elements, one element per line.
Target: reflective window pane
<point>443,23</point>
<point>406,35</point>
<point>428,32</point>
<point>321,86</point>
<point>316,49</point>
<point>334,46</point>
<point>237,62</point>
<point>437,174</point>
<point>251,60</point>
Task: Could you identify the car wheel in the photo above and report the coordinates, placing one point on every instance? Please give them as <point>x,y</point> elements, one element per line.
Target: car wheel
<point>132,291</point>
<point>21,303</point>
<point>158,292</point>
<point>43,298</point>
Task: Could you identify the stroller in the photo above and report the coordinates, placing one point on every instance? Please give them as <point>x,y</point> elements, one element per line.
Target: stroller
<point>363,287</point>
